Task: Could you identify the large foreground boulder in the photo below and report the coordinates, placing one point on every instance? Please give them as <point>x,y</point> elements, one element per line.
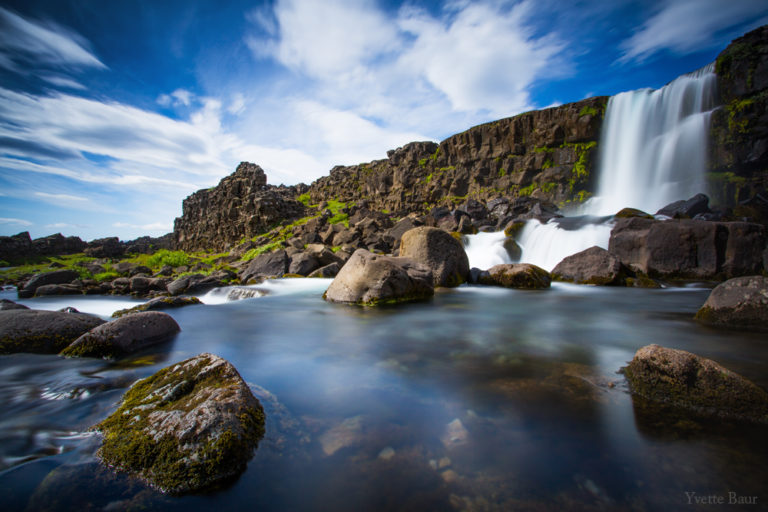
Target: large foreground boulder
<point>371,279</point>
<point>63,276</point>
<point>686,380</point>
<point>516,275</point>
<point>42,332</point>
<point>188,427</point>
<point>740,303</point>
<point>438,250</point>
<point>590,266</point>
<point>127,334</point>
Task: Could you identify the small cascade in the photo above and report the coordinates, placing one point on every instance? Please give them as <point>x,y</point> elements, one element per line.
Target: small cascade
<point>485,250</point>
<point>653,150</point>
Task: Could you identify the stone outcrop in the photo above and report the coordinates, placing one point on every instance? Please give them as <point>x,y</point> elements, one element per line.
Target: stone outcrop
<point>240,207</point>
<point>186,428</point>
<point>688,249</point>
<point>47,278</point>
<point>590,266</point>
<point>42,332</point>
<point>369,279</point>
<point>739,129</point>
<point>516,275</point>
<point>548,154</point>
<point>438,250</point>
<point>159,303</point>
<point>686,380</point>
<point>740,303</point>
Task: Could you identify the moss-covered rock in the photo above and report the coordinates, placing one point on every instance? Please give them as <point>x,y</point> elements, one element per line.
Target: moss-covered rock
<point>686,380</point>
<point>42,332</point>
<point>369,279</point>
<point>159,303</point>
<point>740,303</point>
<point>516,275</point>
<point>191,426</point>
<point>628,213</point>
<point>123,336</point>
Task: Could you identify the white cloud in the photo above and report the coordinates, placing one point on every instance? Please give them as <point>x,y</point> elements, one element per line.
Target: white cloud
<point>64,225</point>
<point>684,26</point>
<point>18,222</point>
<point>66,198</point>
<point>237,105</point>
<point>62,81</point>
<point>28,41</point>
<point>165,227</point>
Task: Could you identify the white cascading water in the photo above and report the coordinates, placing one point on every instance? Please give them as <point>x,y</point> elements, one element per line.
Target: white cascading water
<point>485,250</point>
<point>652,152</point>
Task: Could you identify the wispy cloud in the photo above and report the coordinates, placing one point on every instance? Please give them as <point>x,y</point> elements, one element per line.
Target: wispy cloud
<point>18,222</point>
<point>683,26</point>
<point>23,41</point>
<point>64,225</point>
<point>154,226</point>
<point>64,82</point>
<point>65,198</point>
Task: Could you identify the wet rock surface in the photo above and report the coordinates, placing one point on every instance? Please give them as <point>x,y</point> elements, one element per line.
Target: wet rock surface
<point>740,303</point>
<point>591,266</point>
<point>189,427</point>
<point>159,303</point>
<point>516,275</point>
<point>372,279</point>
<point>125,335</point>
<point>438,250</point>
<point>42,332</point>
<point>690,381</point>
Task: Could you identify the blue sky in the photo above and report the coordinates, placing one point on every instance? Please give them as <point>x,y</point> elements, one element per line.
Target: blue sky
<point>111,113</point>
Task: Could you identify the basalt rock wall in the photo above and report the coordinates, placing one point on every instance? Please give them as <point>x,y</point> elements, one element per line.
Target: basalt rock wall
<point>241,206</point>
<point>548,154</point>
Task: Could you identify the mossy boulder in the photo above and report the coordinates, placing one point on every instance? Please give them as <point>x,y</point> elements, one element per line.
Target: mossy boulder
<point>42,332</point>
<point>123,336</point>
<point>628,213</point>
<point>191,426</point>
<point>438,250</point>
<point>686,380</point>
<point>590,266</point>
<point>159,303</point>
<point>740,303</point>
<point>516,275</point>
<point>369,279</point>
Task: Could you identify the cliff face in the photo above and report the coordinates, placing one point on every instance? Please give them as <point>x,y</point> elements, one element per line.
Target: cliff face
<point>240,206</point>
<point>739,129</point>
<point>546,154</point>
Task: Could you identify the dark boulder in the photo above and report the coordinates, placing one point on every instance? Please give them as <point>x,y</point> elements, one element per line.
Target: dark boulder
<point>686,209</point>
<point>16,248</point>
<point>6,305</point>
<point>123,336</point>
<point>516,275</point>
<point>740,303</point>
<point>42,332</point>
<point>58,289</point>
<point>159,303</point>
<point>38,280</point>
<point>628,213</point>
<point>686,380</point>
<point>105,248</point>
<point>200,283</point>
<point>438,250</point>
<point>303,264</point>
<point>330,270</point>
<point>273,264</point>
<point>590,266</point>
<point>186,428</point>
<point>371,279</point>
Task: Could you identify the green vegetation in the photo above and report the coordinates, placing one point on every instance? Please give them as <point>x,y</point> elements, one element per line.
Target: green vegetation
<point>543,149</point>
<point>547,164</point>
<point>735,108</point>
<point>586,110</point>
<point>164,257</point>
<point>422,162</point>
<point>502,172</point>
<point>258,251</point>
<point>548,187</point>
<point>526,191</point>
<point>304,199</point>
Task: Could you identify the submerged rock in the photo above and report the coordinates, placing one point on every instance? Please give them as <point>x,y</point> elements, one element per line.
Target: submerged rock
<point>371,279</point>
<point>127,334</point>
<point>590,266</point>
<point>686,380</point>
<point>188,427</point>
<point>741,303</point>
<point>516,275</point>
<point>42,332</point>
<point>438,250</point>
<point>159,303</point>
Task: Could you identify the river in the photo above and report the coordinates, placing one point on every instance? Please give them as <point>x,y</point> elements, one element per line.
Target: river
<point>478,399</point>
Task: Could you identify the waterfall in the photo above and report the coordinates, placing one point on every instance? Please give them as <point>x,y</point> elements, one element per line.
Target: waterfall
<point>653,150</point>
<point>485,250</point>
<point>653,145</point>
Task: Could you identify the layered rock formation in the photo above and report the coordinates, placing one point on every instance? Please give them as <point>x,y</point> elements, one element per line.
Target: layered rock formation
<point>241,206</point>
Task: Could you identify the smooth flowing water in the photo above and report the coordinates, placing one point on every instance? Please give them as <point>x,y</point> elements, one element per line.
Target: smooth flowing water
<point>653,148</point>
<point>478,399</point>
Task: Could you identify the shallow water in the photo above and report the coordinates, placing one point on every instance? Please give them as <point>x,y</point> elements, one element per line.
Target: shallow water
<point>479,399</point>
